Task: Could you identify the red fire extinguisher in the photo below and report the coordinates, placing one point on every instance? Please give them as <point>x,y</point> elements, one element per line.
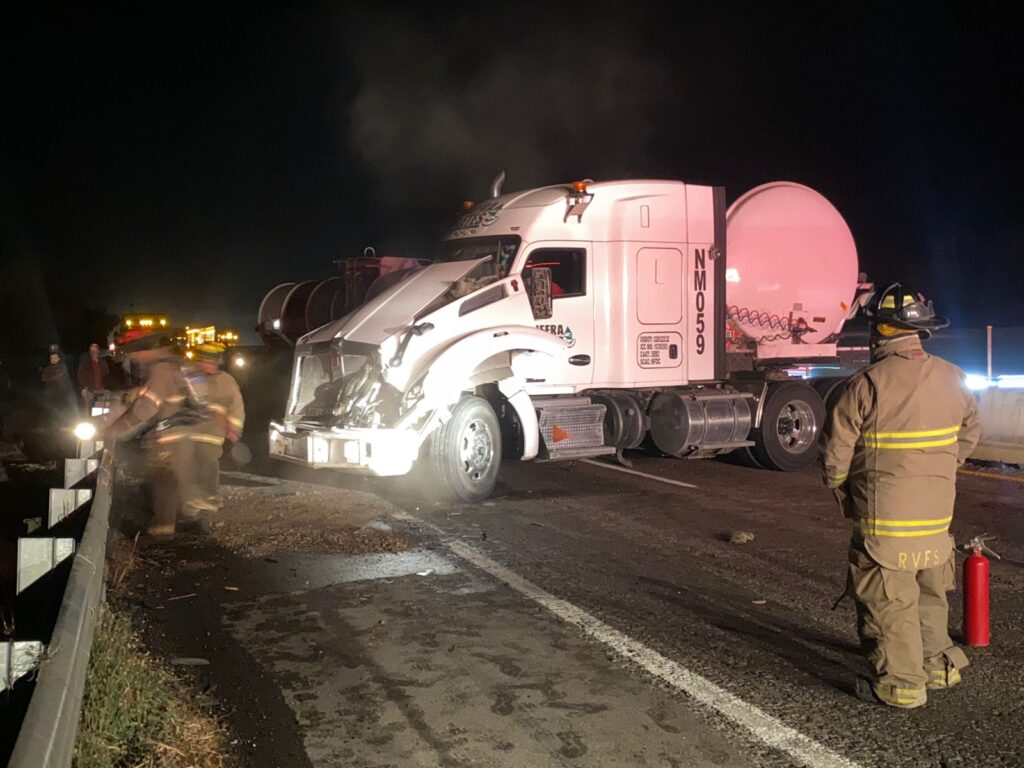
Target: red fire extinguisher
<point>976,630</point>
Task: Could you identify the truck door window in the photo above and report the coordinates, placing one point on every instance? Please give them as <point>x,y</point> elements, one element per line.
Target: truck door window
<point>568,270</point>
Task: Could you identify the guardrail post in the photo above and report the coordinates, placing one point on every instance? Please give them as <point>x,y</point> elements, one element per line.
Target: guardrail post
<point>76,470</point>
<point>65,502</point>
<point>17,659</point>
<point>89,449</point>
<point>38,556</point>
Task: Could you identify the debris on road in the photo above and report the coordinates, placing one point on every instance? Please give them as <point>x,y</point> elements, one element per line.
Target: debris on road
<point>741,537</point>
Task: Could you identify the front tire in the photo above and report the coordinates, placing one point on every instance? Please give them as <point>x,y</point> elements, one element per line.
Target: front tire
<point>466,452</point>
<point>791,422</point>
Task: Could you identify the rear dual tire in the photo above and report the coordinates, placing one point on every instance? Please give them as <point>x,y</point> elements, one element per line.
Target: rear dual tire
<point>791,422</point>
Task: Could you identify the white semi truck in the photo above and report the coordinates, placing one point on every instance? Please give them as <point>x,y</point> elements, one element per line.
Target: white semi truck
<point>582,320</point>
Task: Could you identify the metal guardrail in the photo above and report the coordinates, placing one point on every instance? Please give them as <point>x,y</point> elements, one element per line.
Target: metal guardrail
<point>48,732</point>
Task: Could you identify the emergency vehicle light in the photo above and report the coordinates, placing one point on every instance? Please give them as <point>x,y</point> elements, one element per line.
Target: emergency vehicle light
<point>580,187</point>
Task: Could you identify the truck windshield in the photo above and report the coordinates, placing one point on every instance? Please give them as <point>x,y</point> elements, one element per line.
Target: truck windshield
<point>502,251</point>
<point>499,252</point>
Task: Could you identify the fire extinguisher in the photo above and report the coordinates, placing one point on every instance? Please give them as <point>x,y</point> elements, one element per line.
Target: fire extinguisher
<point>976,630</point>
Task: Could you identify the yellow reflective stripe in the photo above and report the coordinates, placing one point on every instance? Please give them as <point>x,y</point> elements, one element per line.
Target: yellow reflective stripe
<point>903,446</point>
<point>150,396</point>
<point>925,433</point>
<point>910,523</point>
<point>902,534</point>
<point>175,399</point>
<point>211,439</point>
<point>235,421</point>
<point>217,408</point>
<point>900,695</point>
<point>172,438</point>
<point>952,677</point>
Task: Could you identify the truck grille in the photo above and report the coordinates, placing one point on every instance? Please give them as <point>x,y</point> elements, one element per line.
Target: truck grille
<point>311,372</point>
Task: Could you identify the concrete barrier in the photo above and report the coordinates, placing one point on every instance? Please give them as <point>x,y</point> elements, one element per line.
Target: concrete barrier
<point>1002,425</point>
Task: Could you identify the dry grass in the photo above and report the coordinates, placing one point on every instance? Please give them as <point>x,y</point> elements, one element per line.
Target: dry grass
<point>136,713</point>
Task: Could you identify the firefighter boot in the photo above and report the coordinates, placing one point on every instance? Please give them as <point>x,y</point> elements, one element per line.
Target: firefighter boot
<point>197,524</point>
<point>945,671</point>
<point>890,695</point>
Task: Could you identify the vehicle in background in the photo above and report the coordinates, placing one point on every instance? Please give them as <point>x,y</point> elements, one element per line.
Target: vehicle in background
<point>291,310</point>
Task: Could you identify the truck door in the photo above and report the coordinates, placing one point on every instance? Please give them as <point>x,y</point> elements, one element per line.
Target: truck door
<point>572,311</point>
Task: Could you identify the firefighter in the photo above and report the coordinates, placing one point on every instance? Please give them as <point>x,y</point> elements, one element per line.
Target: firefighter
<point>892,445</point>
<point>219,391</point>
<point>164,412</point>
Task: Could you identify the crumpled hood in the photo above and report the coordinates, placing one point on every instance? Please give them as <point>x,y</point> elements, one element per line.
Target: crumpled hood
<point>395,308</point>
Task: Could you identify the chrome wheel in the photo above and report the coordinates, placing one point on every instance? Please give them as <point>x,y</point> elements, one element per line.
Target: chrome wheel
<point>476,449</point>
<point>797,426</point>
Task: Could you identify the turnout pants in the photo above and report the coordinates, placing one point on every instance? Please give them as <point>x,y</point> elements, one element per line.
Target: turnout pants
<point>902,620</point>
<point>208,473</point>
<point>170,468</point>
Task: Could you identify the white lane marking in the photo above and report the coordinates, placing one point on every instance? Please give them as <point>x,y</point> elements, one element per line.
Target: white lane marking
<point>763,726</point>
<point>606,465</point>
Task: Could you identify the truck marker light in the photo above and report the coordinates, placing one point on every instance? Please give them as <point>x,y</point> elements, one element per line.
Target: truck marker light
<point>580,187</point>
<point>558,434</point>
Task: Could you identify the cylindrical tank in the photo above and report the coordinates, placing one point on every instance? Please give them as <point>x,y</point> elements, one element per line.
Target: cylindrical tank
<point>683,422</point>
<point>976,575</point>
<point>625,423</point>
<point>319,305</point>
<point>268,319</point>
<point>293,309</point>
<point>791,263</point>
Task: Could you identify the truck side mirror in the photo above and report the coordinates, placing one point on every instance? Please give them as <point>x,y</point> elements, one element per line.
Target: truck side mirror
<point>538,285</point>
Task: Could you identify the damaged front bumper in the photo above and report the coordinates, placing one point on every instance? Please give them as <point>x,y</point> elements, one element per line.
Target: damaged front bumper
<point>382,452</point>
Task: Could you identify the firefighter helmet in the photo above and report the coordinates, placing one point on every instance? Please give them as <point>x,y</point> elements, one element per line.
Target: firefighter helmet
<point>898,310</point>
<point>211,352</point>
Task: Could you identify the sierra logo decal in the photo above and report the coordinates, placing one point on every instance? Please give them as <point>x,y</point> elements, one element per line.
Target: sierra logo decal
<point>564,332</point>
<point>482,215</point>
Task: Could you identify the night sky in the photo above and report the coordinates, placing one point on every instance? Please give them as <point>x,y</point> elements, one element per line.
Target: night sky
<point>187,159</point>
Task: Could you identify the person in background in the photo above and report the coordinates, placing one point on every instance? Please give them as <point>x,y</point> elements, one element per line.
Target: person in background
<point>93,376</point>
<point>56,382</point>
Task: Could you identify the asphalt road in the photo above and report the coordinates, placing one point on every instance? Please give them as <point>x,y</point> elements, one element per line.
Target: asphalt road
<point>583,616</point>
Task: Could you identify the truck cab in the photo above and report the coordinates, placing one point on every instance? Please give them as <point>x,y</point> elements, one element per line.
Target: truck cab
<point>575,320</point>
